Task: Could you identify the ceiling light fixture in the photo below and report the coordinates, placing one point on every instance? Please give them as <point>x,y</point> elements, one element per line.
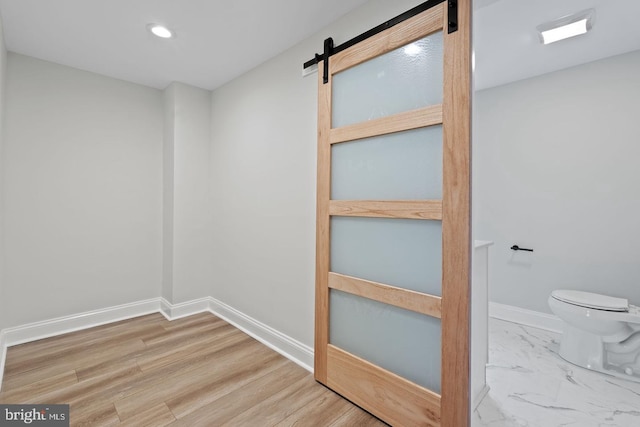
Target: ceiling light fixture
<point>567,26</point>
<point>160,31</point>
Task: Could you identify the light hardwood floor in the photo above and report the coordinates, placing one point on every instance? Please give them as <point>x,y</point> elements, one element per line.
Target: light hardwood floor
<point>195,371</point>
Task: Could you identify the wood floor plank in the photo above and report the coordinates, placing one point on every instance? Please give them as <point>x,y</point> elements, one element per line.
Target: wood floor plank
<point>324,410</point>
<point>203,393</point>
<point>97,390</point>
<point>198,357</point>
<point>32,392</point>
<point>233,404</point>
<point>158,356</point>
<point>92,336</point>
<point>40,373</point>
<point>229,364</point>
<point>78,356</point>
<point>128,382</point>
<point>186,333</point>
<point>148,371</point>
<point>280,405</point>
<point>358,417</point>
<point>90,370</point>
<point>99,415</point>
<point>149,380</point>
<point>155,416</point>
<point>87,369</point>
<point>144,380</point>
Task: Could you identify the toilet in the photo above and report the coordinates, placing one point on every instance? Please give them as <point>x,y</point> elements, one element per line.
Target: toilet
<point>600,332</point>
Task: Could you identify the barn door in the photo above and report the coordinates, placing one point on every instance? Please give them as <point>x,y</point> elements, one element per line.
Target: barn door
<point>393,214</point>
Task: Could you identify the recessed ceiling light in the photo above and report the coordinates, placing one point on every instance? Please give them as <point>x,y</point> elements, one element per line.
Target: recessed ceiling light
<point>565,27</point>
<point>160,31</point>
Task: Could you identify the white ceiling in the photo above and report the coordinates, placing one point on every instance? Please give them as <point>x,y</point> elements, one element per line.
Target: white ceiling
<point>216,41</point>
<point>507,47</point>
<point>219,40</point>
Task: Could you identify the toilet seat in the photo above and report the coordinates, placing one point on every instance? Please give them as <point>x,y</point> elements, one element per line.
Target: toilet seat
<point>591,300</point>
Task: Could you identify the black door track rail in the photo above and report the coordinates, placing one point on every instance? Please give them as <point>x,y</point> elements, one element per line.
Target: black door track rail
<point>330,49</point>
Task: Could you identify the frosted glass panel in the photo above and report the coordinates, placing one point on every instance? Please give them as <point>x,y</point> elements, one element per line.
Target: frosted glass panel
<point>404,79</point>
<point>405,165</point>
<point>400,252</point>
<point>401,341</point>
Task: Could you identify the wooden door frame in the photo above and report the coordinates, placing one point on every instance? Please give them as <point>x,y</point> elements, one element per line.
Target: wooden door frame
<point>456,233</point>
<point>451,407</point>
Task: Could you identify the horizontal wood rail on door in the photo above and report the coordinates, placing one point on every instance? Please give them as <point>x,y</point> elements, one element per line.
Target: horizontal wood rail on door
<point>408,120</point>
<point>391,397</point>
<point>419,302</point>
<point>411,30</point>
<point>408,209</point>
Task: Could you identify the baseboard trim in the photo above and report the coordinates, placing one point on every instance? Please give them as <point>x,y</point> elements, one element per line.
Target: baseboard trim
<point>277,341</point>
<point>522,316</point>
<point>63,325</point>
<point>3,356</point>
<point>183,309</point>
<point>479,397</point>
<point>165,308</point>
<point>290,348</point>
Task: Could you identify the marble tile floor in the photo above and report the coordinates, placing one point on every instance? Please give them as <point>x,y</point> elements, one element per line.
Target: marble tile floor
<point>531,386</point>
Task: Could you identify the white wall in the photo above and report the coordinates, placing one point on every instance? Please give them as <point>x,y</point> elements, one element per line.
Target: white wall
<point>556,169</point>
<point>263,166</point>
<point>168,142</point>
<point>188,207</point>
<point>3,73</point>
<point>83,191</point>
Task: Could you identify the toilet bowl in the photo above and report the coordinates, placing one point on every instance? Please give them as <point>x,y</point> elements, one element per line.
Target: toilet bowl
<point>600,332</point>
